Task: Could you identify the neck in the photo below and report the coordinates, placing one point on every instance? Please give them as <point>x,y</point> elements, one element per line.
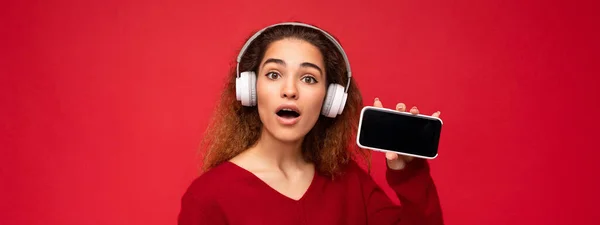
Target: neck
<point>274,153</point>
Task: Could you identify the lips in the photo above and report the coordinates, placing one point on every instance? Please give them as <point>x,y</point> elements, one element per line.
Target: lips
<point>288,114</point>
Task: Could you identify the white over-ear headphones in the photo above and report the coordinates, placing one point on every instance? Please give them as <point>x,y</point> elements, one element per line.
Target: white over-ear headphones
<point>245,83</point>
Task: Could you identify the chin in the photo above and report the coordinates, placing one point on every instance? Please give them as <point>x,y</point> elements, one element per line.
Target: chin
<point>288,135</point>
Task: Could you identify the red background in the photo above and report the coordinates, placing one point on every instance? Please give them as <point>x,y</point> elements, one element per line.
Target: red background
<point>104,102</point>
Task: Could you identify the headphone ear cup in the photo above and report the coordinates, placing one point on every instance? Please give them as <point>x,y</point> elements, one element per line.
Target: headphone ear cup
<point>245,88</point>
<point>252,89</point>
<point>334,101</point>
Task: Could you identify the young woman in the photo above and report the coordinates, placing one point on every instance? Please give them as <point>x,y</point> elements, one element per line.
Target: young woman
<point>285,154</point>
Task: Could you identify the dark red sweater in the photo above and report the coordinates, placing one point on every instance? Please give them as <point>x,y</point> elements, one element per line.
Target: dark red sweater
<point>229,194</point>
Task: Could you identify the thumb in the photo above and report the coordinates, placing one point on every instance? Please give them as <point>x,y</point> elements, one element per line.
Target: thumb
<point>391,156</point>
<point>394,162</point>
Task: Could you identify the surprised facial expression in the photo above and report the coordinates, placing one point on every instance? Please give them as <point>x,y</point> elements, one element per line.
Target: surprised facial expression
<point>291,87</point>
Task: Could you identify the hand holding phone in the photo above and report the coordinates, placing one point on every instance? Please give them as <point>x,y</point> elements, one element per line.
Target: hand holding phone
<point>401,135</point>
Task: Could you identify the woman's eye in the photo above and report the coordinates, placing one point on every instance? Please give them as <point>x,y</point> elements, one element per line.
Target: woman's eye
<point>309,79</point>
<point>272,75</point>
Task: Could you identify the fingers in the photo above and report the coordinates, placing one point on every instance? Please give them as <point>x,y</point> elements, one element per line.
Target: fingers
<point>401,107</point>
<point>394,161</point>
<point>377,103</point>
<point>395,156</point>
<point>391,156</point>
<point>414,110</point>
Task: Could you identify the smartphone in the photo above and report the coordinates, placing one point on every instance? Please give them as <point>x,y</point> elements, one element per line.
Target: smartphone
<point>388,130</point>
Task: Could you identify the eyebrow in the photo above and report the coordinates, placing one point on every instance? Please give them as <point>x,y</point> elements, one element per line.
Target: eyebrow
<point>304,64</point>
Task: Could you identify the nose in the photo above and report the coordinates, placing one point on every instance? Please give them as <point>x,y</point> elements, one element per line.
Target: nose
<point>289,89</point>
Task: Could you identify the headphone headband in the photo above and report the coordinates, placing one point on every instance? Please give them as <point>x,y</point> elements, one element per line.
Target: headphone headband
<point>331,38</point>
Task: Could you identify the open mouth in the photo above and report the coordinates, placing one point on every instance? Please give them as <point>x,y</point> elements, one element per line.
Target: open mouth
<point>288,113</point>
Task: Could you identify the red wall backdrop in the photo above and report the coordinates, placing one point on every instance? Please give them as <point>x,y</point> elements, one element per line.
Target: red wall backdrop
<point>104,102</point>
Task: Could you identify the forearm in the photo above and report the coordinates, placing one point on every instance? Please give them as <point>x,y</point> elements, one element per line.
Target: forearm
<point>417,192</point>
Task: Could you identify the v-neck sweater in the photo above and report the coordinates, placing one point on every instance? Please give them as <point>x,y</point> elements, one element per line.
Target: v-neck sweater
<point>229,194</point>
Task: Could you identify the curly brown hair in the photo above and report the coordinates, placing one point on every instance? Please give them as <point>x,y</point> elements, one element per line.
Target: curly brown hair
<point>329,144</point>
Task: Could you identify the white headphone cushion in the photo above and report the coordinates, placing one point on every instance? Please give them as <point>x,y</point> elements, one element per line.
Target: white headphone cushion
<point>343,104</point>
<point>328,100</point>
<point>244,88</point>
<point>238,88</point>
<point>252,88</point>
<point>335,100</point>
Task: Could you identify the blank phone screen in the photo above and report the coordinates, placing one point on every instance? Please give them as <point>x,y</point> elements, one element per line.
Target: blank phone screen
<point>400,133</point>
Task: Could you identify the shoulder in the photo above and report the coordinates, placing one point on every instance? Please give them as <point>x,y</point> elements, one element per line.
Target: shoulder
<point>355,171</point>
<point>200,202</point>
<point>354,167</point>
<point>212,183</point>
